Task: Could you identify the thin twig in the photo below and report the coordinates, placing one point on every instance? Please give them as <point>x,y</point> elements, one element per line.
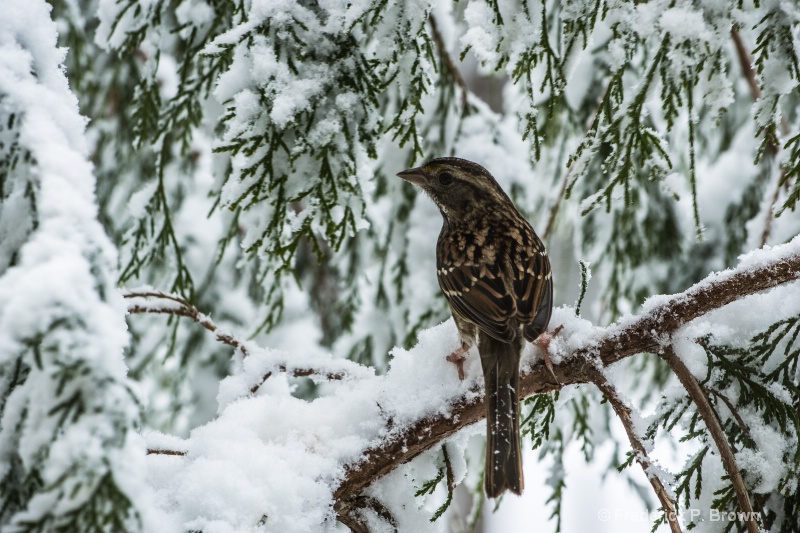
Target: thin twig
<point>448,468</point>
<point>351,513</point>
<point>449,63</point>
<point>300,373</point>
<point>714,426</point>
<point>731,408</point>
<point>771,211</point>
<point>185,309</point>
<point>153,451</point>
<point>746,63</point>
<point>551,220</point>
<point>623,412</point>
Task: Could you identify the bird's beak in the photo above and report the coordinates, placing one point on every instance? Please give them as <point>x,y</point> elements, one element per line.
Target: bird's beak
<point>414,175</point>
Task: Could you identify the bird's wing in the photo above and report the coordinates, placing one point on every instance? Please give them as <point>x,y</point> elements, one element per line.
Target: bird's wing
<point>479,295</point>
<point>532,285</point>
<point>542,318</point>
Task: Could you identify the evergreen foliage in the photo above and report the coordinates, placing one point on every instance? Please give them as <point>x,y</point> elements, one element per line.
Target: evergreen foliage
<point>244,153</point>
<point>67,411</point>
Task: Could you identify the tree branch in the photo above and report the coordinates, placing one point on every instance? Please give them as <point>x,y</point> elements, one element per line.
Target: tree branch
<point>700,400</point>
<point>623,412</point>
<point>172,304</point>
<point>746,64</point>
<point>650,332</point>
<point>449,64</point>
<point>175,305</point>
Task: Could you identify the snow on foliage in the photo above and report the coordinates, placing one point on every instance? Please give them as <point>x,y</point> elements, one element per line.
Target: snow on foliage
<point>271,461</point>
<point>274,460</point>
<point>244,154</point>
<point>69,455</point>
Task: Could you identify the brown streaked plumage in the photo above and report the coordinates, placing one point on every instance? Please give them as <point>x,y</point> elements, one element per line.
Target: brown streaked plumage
<point>495,274</point>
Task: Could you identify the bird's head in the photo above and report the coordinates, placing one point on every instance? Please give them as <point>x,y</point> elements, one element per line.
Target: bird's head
<point>457,186</point>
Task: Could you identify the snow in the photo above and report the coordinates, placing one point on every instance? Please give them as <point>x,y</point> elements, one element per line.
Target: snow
<point>721,179</point>
<point>138,202</point>
<point>482,36</point>
<point>683,23</point>
<point>576,333</point>
<point>60,315</point>
<point>275,455</point>
<point>768,254</point>
<point>765,463</point>
<point>269,460</point>
<point>167,77</point>
<point>301,446</point>
<point>259,362</point>
<point>194,12</point>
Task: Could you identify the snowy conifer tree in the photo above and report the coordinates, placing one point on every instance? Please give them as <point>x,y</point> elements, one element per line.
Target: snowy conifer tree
<point>287,338</point>
<point>71,456</point>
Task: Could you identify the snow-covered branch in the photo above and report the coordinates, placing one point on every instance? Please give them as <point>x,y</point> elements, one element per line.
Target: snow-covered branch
<point>141,301</point>
<point>663,315</point>
<point>625,414</point>
<point>579,355</point>
<point>148,300</point>
<point>700,399</point>
<point>70,457</point>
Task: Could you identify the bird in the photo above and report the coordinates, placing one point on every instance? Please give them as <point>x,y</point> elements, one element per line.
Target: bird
<point>495,275</point>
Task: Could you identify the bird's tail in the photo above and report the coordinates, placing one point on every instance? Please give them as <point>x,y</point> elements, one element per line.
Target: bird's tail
<point>500,362</point>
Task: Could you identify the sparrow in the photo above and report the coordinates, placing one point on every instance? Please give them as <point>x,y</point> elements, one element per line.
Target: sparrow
<point>495,274</point>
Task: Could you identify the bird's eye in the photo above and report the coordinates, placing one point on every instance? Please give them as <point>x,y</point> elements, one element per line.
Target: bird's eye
<point>445,178</point>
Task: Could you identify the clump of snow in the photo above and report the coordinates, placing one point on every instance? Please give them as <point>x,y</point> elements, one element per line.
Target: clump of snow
<point>273,455</point>
<point>765,464</point>
<point>683,23</point>
<point>768,254</point>
<point>261,362</point>
<point>483,35</point>
<point>137,204</point>
<point>692,354</point>
<point>575,333</point>
<point>194,13</point>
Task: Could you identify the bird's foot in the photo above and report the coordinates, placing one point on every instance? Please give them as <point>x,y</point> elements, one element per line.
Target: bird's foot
<point>543,342</point>
<point>457,358</point>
